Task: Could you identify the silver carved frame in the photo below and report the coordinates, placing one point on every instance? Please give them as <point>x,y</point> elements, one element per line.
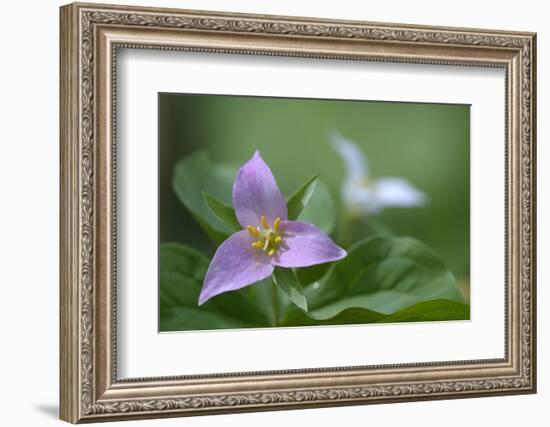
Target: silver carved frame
<point>90,36</point>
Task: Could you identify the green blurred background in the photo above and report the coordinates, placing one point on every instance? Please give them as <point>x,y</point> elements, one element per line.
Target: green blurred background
<point>428,144</point>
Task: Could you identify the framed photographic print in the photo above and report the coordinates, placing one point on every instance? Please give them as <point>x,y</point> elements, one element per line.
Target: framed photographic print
<point>264,212</point>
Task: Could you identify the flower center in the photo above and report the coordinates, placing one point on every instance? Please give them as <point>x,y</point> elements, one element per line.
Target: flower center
<point>365,182</point>
<point>268,239</point>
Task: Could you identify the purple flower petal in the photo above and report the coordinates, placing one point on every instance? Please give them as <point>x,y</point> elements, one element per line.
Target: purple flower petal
<point>304,244</point>
<point>235,265</point>
<point>255,193</point>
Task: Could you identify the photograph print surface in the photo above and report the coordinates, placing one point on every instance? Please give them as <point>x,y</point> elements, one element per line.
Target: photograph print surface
<point>287,212</point>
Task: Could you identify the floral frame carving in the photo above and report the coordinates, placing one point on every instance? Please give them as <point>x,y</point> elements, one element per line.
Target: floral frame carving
<point>90,35</point>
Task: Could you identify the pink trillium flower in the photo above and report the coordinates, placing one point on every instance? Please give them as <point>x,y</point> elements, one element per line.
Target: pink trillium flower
<point>268,239</point>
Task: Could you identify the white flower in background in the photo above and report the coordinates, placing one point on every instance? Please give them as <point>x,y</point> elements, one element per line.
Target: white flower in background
<point>363,195</point>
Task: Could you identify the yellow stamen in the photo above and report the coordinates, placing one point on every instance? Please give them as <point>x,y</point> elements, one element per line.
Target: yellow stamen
<point>253,230</point>
<point>267,239</point>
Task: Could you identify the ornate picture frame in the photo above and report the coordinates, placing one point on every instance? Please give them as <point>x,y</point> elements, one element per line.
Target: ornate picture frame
<point>90,37</point>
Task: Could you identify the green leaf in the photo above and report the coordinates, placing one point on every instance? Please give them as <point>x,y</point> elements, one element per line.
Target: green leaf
<point>182,271</point>
<point>428,311</point>
<point>224,212</point>
<point>431,311</point>
<point>321,209</point>
<point>308,275</point>
<point>197,173</point>
<point>286,280</point>
<point>299,200</point>
<point>353,228</point>
<point>349,316</point>
<point>382,275</point>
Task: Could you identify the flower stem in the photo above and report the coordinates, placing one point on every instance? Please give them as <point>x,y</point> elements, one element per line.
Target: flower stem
<point>275,303</point>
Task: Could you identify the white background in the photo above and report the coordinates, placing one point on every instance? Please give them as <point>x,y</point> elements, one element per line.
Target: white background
<point>29,170</point>
<point>142,352</point>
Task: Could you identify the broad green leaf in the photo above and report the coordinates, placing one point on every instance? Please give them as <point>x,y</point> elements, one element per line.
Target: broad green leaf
<point>353,228</point>
<point>308,275</point>
<point>286,280</point>
<point>383,275</point>
<point>349,316</point>
<point>182,272</point>
<point>299,200</point>
<point>428,311</point>
<point>320,210</point>
<point>197,173</point>
<point>224,212</point>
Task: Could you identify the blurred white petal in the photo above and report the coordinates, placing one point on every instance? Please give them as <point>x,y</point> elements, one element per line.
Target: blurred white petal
<point>397,192</point>
<point>357,198</point>
<point>354,159</point>
<point>362,196</point>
